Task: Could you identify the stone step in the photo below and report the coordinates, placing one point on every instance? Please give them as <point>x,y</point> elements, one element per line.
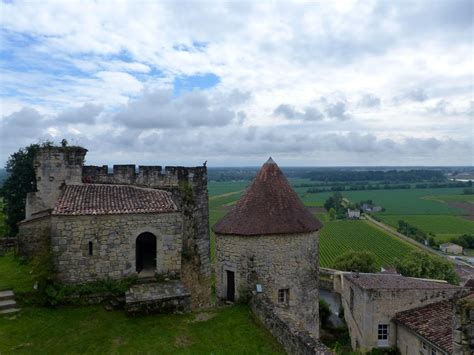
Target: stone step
<point>146,280</point>
<point>7,295</point>
<point>9,311</point>
<point>7,304</point>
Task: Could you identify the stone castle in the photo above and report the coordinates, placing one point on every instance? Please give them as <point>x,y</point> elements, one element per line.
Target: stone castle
<point>103,225</point>
<point>153,224</point>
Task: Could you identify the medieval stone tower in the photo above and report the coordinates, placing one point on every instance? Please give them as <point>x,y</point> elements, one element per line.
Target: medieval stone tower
<point>267,246</point>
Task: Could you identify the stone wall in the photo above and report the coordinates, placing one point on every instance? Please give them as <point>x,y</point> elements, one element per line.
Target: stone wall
<point>408,343</point>
<point>294,339</point>
<point>276,262</point>
<point>189,188</point>
<point>34,236</point>
<point>114,245</point>
<point>463,332</point>
<point>374,307</point>
<point>54,167</point>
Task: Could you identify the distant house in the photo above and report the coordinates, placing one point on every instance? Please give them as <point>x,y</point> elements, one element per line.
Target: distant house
<point>451,248</point>
<point>366,207</point>
<point>353,214</point>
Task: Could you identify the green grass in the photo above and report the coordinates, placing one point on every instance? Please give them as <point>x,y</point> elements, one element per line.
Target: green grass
<point>411,201</point>
<point>443,226</point>
<point>337,237</point>
<point>13,275</point>
<point>91,329</point>
<point>222,187</point>
<point>231,330</point>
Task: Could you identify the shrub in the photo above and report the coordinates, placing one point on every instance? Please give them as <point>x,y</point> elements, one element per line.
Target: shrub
<point>360,261</point>
<point>324,312</point>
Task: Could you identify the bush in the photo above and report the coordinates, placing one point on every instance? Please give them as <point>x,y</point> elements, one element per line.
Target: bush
<point>358,261</point>
<point>421,264</point>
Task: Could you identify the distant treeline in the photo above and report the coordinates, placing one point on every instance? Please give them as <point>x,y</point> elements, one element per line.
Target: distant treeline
<point>323,175</point>
<point>359,187</point>
<point>378,175</point>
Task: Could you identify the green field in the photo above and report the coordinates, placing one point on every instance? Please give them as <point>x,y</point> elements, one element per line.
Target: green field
<point>338,237</point>
<point>91,329</point>
<point>222,187</point>
<point>397,202</point>
<point>443,226</point>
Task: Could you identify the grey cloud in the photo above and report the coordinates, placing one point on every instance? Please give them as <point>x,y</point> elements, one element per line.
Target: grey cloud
<point>160,109</point>
<point>290,112</point>
<point>86,114</point>
<point>369,100</point>
<point>415,95</point>
<point>338,111</point>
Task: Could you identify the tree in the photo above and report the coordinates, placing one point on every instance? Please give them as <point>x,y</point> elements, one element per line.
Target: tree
<point>420,264</point>
<point>360,261</point>
<point>21,180</point>
<point>332,214</point>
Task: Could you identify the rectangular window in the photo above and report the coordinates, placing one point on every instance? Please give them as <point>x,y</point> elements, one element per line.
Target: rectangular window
<point>91,249</point>
<point>383,335</point>
<point>284,296</point>
<point>433,352</point>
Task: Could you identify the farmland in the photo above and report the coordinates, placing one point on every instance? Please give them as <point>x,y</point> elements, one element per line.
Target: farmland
<point>396,202</point>
<point>443,226</point>
<point>338,237</point>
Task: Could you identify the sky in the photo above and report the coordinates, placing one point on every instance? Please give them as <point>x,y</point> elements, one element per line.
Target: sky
<point>320,83</point>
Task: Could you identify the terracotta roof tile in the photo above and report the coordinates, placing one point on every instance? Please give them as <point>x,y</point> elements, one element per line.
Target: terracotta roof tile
<point>394,282</point>
<point>269,206</point>
<point>91,199</point>
<point>434,322</point>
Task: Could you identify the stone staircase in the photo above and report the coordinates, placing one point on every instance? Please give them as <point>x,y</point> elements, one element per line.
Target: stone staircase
<point>149,297</point>
<point>7,302</point>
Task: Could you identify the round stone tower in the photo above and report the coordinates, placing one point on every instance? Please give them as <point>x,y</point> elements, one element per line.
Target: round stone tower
<point>267,246</point>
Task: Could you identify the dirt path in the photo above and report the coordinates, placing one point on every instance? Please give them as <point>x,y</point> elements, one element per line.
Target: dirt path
<point>393,232</point>
<point>224,195</point>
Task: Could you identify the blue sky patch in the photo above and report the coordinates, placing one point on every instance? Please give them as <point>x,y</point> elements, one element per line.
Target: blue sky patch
<point>192,82</point>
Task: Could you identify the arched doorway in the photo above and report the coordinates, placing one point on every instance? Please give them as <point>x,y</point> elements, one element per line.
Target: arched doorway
<point>146,252</point>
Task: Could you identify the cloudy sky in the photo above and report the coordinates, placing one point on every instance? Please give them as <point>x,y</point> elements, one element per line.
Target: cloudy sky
<point>318,83</point>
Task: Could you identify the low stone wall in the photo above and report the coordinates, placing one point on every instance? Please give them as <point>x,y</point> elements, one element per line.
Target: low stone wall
<point>157,297</point>
<point>286,332</point>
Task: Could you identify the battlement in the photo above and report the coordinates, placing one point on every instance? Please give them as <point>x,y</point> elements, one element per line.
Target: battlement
<point>149,176</point>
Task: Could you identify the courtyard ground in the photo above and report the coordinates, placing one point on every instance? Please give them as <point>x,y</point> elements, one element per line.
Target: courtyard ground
<point>92,329</point>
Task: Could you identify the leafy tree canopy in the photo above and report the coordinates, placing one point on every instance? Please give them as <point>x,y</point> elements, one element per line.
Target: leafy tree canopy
<point>359,261</point>
<point>21,180</point>
<point>420,264</point>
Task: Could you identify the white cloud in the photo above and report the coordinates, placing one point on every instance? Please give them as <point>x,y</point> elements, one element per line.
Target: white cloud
<point>100,69</point>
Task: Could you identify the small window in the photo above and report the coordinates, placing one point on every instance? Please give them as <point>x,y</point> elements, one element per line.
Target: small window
<point>284,296</point>
<point>383,335</point>
<point>91,248</point>
<point>433,352</point>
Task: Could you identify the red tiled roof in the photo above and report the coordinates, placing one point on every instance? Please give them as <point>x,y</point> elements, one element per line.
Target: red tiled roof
<point>269,206</point>
<point>434,322</point>
<point>101,199</point>
<point>393,282</point>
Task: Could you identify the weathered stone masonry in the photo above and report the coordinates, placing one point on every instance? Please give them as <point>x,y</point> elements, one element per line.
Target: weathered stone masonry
<point>276,262</point>
<point>182,237</point>
<point>113,240</point>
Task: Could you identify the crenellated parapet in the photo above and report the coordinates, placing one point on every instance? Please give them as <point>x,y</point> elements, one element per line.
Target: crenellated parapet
<point>148,176</point>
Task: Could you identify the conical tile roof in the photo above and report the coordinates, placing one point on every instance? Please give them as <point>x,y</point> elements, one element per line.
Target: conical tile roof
<point>269,206</point>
